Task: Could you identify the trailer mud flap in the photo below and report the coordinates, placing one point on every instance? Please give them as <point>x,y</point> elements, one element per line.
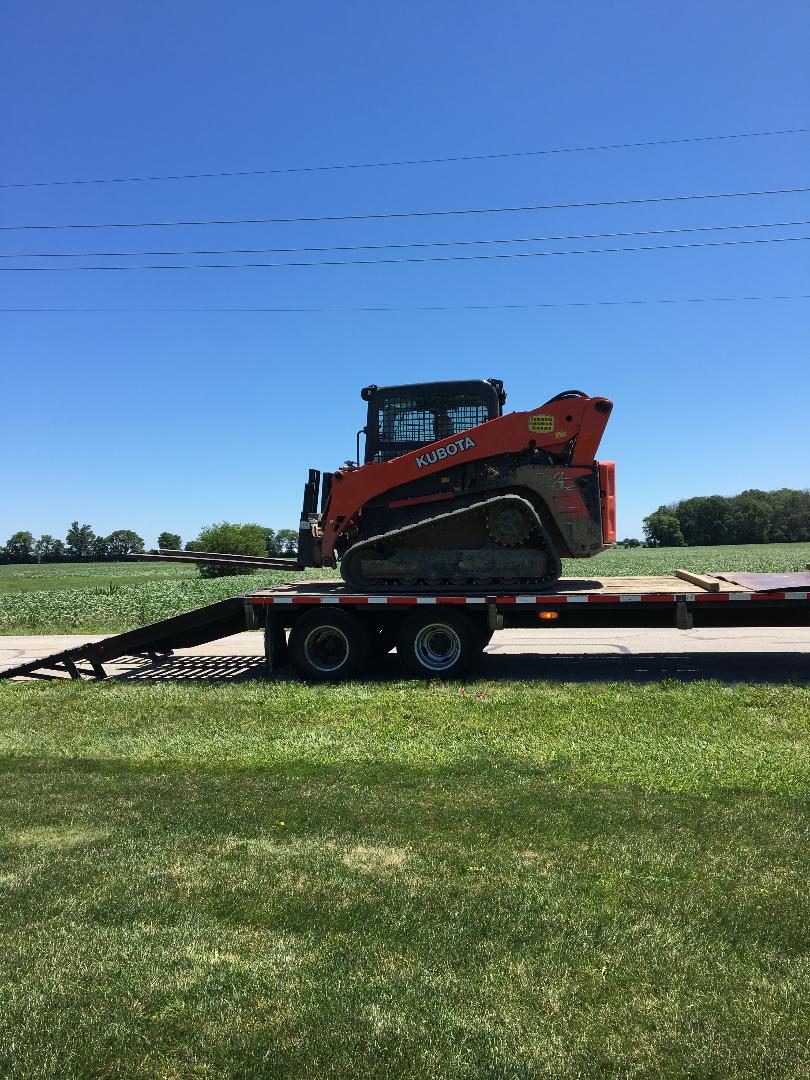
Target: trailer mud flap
<point>683,616</point>
<point>276,652</point>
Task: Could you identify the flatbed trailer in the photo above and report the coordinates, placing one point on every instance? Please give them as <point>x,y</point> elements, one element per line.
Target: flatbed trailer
<point>328,633</point>
<point>440,635</point>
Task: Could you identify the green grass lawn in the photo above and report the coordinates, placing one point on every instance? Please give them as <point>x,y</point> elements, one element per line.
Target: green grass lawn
<point>493,881</point>
<point>109,597</point>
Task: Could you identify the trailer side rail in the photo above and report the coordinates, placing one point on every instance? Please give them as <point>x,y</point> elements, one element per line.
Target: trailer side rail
<point>280,599</point>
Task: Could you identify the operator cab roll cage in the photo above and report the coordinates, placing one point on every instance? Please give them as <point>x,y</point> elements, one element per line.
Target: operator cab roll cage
<point>406,417</point>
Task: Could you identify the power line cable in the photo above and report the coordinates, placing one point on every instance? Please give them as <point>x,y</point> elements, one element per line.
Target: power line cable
<point>409,162</point>
<point>398,246</point>
<point>396,308</point>
<point>311,264</point>
<point>399,214</point>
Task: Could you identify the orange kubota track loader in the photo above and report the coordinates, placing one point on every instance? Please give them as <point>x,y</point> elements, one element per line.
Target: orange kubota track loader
<point>457,496</point>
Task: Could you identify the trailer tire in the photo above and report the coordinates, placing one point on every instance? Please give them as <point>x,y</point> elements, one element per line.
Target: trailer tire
<point>438,644</point>
<point>326,646</point>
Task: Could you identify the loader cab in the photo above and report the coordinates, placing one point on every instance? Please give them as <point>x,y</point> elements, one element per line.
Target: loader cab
<point>405,418</point>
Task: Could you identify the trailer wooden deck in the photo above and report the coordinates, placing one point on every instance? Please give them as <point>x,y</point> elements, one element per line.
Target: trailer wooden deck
<point>565,586</point>
<point>660,588</point>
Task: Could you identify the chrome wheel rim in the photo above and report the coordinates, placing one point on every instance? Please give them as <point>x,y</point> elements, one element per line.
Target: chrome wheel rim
<point>437,647</point>
<point>326,648</point>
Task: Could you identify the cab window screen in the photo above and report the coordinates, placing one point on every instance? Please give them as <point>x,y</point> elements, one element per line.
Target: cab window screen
<point>404,424</point>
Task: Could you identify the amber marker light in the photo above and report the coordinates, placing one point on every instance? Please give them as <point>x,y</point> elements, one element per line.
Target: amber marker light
<point>547,614</point>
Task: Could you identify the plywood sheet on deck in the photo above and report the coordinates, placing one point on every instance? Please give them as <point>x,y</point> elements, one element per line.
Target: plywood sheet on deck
<point>659,584</point>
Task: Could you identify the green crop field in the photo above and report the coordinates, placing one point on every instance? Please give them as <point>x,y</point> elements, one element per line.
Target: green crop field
<point>49,577</point>
<point>493,881</point>
<point>108,597</point>
<point>629,562</point>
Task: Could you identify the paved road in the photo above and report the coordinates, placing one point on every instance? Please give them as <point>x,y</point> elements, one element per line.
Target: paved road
<point>749,654</point>
<point>737,654</point>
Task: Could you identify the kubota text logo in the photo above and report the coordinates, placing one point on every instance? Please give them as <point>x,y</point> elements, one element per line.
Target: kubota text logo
<point>430,457</point>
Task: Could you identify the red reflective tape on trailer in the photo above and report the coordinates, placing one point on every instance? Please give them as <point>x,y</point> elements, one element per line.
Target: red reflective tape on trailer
<point>353,600</point>
<point>596,599</point>
<point>558,599</point>
<point>712,596</point>
<point>505,599</point>
<point>306,599</point>
<point>451,599</point>
<point>768,596</point>
<point>401,600</point>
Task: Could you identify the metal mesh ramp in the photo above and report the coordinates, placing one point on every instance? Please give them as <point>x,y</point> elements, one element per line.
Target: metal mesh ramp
<point>195,627</point>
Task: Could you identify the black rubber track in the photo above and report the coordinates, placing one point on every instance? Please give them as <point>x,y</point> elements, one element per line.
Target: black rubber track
<point>350,563</point>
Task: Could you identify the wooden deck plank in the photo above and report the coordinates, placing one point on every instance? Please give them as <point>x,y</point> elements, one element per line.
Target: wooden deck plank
<point>706,583</point>
<point>577,586</point>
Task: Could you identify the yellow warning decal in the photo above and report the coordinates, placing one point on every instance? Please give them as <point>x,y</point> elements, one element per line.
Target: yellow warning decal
<point>541,422</point>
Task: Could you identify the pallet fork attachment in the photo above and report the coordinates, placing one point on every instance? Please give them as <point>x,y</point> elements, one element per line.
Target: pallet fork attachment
<point>212,558</point>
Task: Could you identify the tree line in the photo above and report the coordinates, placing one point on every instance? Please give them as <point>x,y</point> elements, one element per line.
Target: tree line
<point>752,517</point>
<point>242,540</point>
<point>83,544</point>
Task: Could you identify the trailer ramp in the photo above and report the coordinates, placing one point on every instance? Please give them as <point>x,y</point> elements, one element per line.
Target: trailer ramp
<point>158,639</point>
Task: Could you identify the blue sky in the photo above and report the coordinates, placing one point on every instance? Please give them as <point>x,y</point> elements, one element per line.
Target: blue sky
<point>171,420</point>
